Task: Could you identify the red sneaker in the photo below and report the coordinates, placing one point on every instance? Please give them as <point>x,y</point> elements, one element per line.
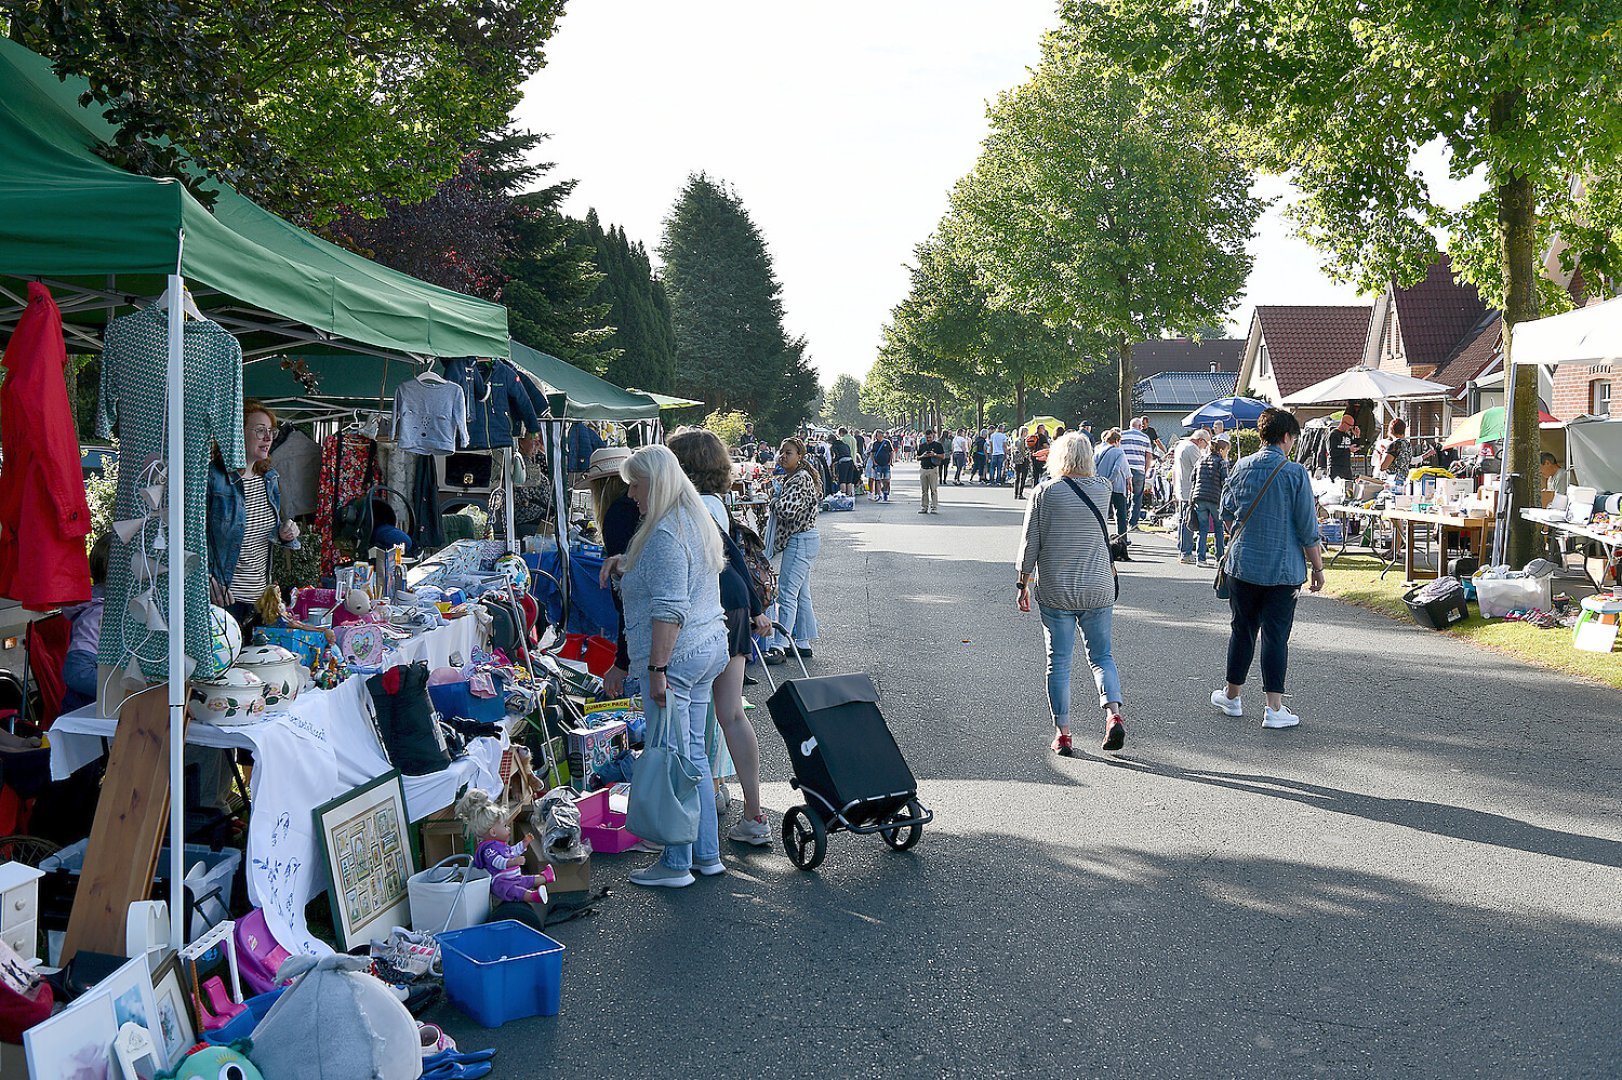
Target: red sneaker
<point>1061,745</point>
<point>1114,734</point>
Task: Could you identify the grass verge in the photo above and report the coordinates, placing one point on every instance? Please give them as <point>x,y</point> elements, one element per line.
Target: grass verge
<point>1356,579</point>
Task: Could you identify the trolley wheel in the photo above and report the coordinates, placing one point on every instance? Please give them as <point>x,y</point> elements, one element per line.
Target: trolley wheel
<point>27,850</point>
<point>903,837</point>
<point>805,838</point>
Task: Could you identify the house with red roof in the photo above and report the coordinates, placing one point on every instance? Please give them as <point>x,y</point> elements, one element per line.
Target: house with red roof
<point>1290,347</point>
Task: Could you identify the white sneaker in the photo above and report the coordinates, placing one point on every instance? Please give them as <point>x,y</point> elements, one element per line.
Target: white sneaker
<point>751,831</point>
<point>1279,718</point>
<point>1186,559</point>
<point>1224,703</point>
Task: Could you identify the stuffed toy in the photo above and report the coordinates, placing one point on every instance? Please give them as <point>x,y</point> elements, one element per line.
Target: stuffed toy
<point>336,1022</point>
<point>215,1063</point>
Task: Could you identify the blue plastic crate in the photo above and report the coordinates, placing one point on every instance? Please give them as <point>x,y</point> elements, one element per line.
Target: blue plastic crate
<point>502,971</point>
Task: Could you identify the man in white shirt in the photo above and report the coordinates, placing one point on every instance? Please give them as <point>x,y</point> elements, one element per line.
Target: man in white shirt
<point>960,457</point>
<point>1189,453</point>
<point>998,450</point>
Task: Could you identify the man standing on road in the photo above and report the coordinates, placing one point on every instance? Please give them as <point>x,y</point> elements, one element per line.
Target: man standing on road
<point>844,465</point>
<point>960,457</point>
<point>1187,463</point>
<point>883,455</point>
<point>999,454</point>
<point>931,463</point>
<point>1139,456</point>
<point>1112,465</point>
<point>1154,437</point>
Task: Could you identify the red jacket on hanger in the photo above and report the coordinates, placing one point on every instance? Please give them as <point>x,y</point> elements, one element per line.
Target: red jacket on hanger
<point>44,518</point>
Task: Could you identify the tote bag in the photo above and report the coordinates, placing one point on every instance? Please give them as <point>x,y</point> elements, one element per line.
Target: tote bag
<point>664,804</point>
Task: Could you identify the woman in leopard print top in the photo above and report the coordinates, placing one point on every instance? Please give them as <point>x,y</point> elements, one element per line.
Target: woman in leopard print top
<point>794,508</point>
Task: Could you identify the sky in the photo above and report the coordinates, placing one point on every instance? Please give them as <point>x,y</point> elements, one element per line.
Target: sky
<point>842,126</point>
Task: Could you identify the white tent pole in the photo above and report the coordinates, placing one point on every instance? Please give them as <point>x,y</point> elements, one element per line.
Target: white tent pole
<point>176,494</point>
<point>561,499</point>
<point>507,504</point>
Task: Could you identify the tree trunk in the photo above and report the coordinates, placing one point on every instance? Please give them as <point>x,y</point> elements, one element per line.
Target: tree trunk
<point>1019,403</point>
<point>979,413</point>
<point>1517,236</point>
<point>1127,381</point>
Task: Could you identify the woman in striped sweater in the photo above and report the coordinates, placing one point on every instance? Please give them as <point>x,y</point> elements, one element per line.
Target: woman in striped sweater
<point>1065,549</point>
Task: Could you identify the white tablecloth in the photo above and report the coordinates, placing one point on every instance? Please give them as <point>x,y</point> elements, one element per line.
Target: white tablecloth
<point>323,746</point>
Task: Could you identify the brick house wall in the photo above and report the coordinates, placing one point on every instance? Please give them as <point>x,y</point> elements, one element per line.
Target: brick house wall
<point>1574,389</point>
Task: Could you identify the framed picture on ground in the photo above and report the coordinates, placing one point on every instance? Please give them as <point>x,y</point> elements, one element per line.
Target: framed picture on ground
<point>76,1042</point>
<point>174,1028</point>
<point>130,987</point>
<point>366,849</point>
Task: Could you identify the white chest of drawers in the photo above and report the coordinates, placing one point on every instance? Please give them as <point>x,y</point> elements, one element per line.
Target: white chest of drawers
<point>19,909</point>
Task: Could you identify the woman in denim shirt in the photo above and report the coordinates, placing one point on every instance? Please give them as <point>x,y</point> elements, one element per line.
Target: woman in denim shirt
<point>245,517</point>
<point>1269,501</point>
<point>675,633</point>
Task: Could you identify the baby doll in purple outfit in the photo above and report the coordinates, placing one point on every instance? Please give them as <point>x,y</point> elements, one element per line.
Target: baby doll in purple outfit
<point>491,828</point>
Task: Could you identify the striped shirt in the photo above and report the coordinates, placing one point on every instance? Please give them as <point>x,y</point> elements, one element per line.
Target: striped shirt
<point>1063,543</point>
<point>253,565</point>
<point>1137,447</point>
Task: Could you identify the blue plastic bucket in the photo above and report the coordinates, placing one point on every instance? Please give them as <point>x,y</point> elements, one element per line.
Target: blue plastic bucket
<point>502,971</point>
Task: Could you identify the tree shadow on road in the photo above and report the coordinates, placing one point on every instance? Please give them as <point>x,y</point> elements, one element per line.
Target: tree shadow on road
<point>1441,819</point>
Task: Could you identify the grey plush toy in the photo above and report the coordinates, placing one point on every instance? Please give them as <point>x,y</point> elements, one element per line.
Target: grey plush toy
<point>336,1022</point>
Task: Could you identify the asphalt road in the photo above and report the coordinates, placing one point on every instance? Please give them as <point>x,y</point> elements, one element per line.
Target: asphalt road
<point>1423,879</point>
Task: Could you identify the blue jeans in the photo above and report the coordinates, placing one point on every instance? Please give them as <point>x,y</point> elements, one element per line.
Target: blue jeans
<point>1059,628</point>
<point>1118,500</point>
<point>996,476</point>
<point>688,693</point>
<point>1207,515</point>
<point>794,589</point>
<point>1139,482</point>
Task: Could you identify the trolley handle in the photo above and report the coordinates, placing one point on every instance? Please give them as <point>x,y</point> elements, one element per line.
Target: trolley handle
<point>793,648</point>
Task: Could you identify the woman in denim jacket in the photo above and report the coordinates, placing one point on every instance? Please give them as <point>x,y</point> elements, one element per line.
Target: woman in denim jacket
<point>675,633</point>
<point>245,517</point>
<point>1272,521</point>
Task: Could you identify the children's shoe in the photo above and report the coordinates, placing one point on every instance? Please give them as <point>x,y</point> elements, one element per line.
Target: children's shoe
<point>1231,706</point>
<point>1279,718</point>
<point>1114,734</point>
<point>660,876</point>
<point>751,831</point>
<point>1061,745</point>
<point>433,1039</point>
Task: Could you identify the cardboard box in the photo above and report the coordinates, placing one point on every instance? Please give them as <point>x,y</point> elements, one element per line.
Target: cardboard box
<point>590,747</point>
<point>442,836</point>
<point>567,877</point>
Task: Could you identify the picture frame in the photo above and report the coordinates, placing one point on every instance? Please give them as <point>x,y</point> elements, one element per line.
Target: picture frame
<point>130,988</point>
<point>367,853</point>
<point>78,1041</point>
<point>174,1025</point>
<point>138,1056</point>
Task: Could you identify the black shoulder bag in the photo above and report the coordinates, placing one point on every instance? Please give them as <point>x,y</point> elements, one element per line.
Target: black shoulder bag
<point>1220,584</point>
<point>1116,547</point>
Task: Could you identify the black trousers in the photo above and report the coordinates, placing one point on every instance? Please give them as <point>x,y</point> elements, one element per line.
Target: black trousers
<point>1267,610</point>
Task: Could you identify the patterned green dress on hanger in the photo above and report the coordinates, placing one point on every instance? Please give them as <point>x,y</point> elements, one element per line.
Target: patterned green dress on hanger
<point>134,369</point>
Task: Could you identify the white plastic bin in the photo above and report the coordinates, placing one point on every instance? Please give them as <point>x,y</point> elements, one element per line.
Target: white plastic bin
<point>1498,597</point>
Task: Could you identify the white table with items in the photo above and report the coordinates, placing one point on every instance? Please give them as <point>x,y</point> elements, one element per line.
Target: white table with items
<point>322,746</point>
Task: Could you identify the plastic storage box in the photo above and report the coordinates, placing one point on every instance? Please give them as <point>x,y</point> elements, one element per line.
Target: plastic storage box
<point>209,899</point>
<point>602,827</point>
<point>1438,614</point>
<point>502,971</point>
<point>1498,597</point>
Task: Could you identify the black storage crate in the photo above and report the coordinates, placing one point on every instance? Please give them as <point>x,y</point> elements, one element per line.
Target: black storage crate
<point>1437,614</point>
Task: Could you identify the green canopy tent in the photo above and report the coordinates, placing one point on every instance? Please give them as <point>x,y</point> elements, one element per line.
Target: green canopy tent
<point>105,241</point>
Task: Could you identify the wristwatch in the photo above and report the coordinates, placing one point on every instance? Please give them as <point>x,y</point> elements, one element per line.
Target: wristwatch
<point>1022,585</point>
<point>660,670</point>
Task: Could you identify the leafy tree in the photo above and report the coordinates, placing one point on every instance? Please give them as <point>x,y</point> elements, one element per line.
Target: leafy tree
<point>1342,93</point>
<point>303,105</point>
<point>727,309</point>
<point>638,310</point>
<point>842,405</point>
<point>1102,204</point>
<point>727,425</point>
<point>551,291</point>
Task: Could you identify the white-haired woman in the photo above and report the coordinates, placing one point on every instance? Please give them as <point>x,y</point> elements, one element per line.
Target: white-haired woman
<point>675,633</point>
<point>1065,548</point>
